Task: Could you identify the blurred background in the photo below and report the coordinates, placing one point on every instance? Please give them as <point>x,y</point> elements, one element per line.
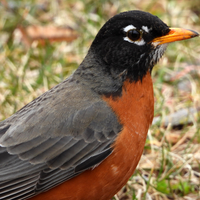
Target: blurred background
<point>42,42</point>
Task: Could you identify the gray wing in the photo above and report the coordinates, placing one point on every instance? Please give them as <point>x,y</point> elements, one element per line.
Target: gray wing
<point>57,136</point>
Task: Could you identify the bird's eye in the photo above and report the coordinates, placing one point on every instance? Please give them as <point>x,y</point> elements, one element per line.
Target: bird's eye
<point>133,34</point>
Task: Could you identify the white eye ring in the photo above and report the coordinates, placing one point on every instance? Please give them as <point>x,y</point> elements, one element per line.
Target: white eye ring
<point>138,42</point>
<point>128,28</point>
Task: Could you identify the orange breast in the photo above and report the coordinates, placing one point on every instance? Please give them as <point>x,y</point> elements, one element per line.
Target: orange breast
<point>135,111</point>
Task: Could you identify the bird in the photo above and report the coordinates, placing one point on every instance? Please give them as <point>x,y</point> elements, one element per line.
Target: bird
<point>84,137</point>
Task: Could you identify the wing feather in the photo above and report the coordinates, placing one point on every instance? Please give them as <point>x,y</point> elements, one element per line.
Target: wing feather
<point>62,133</point>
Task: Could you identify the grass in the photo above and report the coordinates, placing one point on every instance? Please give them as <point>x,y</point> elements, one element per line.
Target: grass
<point>170,165</point>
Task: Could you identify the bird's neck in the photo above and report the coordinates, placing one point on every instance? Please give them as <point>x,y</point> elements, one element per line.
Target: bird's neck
<point>94,73</point>
<point>104,79</point>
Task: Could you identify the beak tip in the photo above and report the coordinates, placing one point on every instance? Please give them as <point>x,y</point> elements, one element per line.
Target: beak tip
<point>195,33</point>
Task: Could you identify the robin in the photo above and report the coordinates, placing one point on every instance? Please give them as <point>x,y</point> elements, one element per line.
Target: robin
<point>83,138</point>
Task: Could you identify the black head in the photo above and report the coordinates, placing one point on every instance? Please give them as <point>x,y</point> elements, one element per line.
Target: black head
<point>127,47</point>
<point>125,43</point>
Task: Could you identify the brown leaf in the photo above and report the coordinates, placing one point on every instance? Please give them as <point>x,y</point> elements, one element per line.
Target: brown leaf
<point>45,34</point>
<point>172,138</point>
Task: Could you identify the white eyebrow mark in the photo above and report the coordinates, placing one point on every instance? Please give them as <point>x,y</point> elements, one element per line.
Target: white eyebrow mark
<point>128,28</point>
<point>145,28</point>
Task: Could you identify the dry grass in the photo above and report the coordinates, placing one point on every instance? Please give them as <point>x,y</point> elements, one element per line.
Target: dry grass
<point>170,165</point>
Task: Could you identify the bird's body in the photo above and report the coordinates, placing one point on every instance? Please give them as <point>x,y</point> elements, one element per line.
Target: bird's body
<point>120,165</point>
<point>84,138</point>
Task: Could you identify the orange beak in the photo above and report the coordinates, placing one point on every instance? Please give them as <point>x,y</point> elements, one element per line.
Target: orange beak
<point>175,34</point>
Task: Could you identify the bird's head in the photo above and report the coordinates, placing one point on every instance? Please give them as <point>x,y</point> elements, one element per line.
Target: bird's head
<point>127,47</point>
<point>135,41</point>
